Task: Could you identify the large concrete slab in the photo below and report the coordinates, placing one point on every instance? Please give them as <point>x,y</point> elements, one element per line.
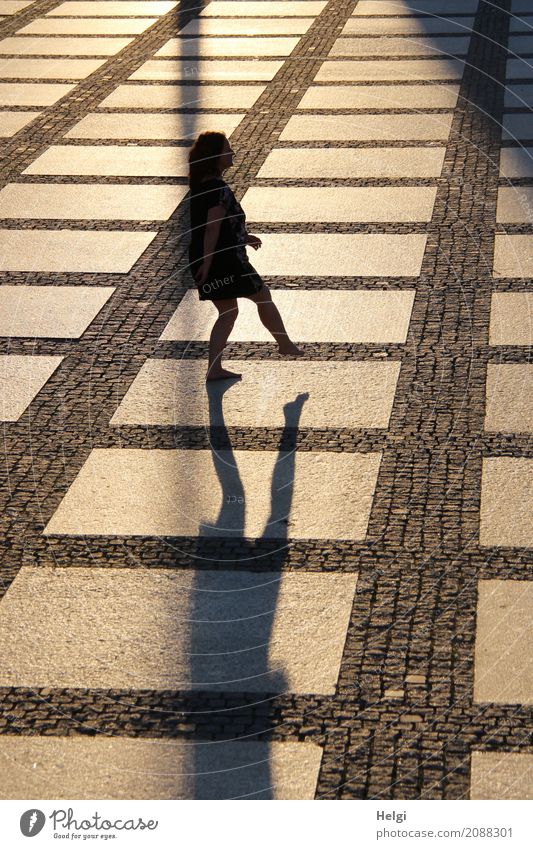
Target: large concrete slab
<point>247,8</point>
<point>501,775</point>
<point>53,312</point>
<point>179,97</point>
<point>243,46</point>
<point>519,95</point>
<point>503,667</point>
<point>57,46</point>
<point>173,392</point>
<point>21,378</point>
<point>12,122</point>
<point>32,94</point>
<point>141,768</point>
<point>87,26</point>
<point>416,7</point>
<point>513,256</point>
<point>125,8</point>
<point>391,46</point>
<point>519,68</point>
<point>151,125</point>
<point>509,405</point>
<point>394,70</point>
<point>357,204</point>
<point>515,205</point>
<point>247,26</point>
<point>521,44</point>
<point>518,127</point>
<point>389,162</point>
<point>90,201</point>
<point>318,315</point>
<point>212,71</point>
<point>506,514</point>
<point>380,97</point>
<point>112,251</point>
<point>516,162</point>
<point>365,127</point>
<point>49,69</point>
<point>511,318</point>
<point>112,161</point>
<point>302,495</point>
<point>11,7</point>
<point>407,26</point>
<point>262,632</point>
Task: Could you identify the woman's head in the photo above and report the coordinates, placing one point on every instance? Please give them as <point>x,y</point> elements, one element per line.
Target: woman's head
<point>210,154</point>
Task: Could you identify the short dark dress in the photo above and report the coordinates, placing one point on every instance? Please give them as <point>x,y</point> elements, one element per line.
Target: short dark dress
<point>231,275</point>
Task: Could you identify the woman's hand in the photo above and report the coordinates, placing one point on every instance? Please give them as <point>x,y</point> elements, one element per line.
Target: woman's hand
<point>254,241</point>
<point>202,274</point>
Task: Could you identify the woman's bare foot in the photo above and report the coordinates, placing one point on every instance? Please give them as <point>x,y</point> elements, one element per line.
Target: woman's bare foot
<point>290,348</point>
<point>222,374</point>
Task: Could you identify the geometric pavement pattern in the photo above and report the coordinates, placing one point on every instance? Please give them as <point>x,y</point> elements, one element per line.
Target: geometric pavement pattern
<point>370,566</point>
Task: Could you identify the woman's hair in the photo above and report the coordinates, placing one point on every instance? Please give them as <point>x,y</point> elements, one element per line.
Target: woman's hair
<point>203,155</point>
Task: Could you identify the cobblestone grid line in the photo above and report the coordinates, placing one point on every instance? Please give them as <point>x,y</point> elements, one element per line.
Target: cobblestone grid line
<point>403,719</point>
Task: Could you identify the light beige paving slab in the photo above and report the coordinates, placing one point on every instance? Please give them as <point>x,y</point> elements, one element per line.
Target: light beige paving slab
<point>211,71</point>
<point>57,46</point>
<point>141,768</point>
<point>513,256</point>
<point>247,26</point>
<point>112,161</point>
<point>501,775</point>
<point>120,8</point>
<point>11,7</point>
<point>416,7</point>
<point>53,312</point>
<point>87,26</point>
<point>21,378</point>
<point>253,46</point>
<point>390,46</point>
<point>524,24</point>
<point>318,315</point>
<point>517,68</point>
<point>87,201</point>
<point>503,661</point>
<point>407,26</point>
<point>360,204</point>
<point>511,318</point>
<point>392,162</point>
<point>509,403</point>
<point>179,97</point>
<point>243,8</point>
<point>12,122</point>
<point>379,97</point>
<point>519,95</point>
<point>48,69</point>
<point>173,392</point>
<point>516,162</point>
<point>389,69</point>
<point>136,492</point>
<point>150,125</point>
<point>506,514</point>
<point>515,204</point>
<point>518,127</point>
<point>207,630</point>
<point>32,94</point>
<point>112,251</point>
<point>365,127</point>
<point>521,6</point>
<point>520,43</point>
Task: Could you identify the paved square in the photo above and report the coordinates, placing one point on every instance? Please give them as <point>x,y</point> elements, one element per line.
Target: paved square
<point>516,162</point>
<point>506,515</point>
<point>320,315</point>
<point>242,8</point>
<point>173,392</point>
<point>359,204</point>
<point>21,379</point>
<point>407,26</point>
<point>112,160</point>
<point>90,202</point>
<point>389,162</point>
<point>53,312</point>
<point>87,26</point>
<point>380,97</point>
<point>253,46</point>
<point>518,68</point>
<point>195,629</point>
<point>112,251</point>
<point>503,666</point>
<point>247,26</point>
<point>511,318</point>
<point>520,43</point>
<point>180,97</point>
<point>519,96</point>
<point>501,775</point>
<point>12,122</point>
<point>513,256</point>
<point>140,768</point>
<point>391,46</point>
<point>364,127</point>
<point>211,71</point>
<point>114,9</point>
<point>509,406</point>
<point>49,69</point>
<point>11,7</point>
<point>390,69</point>
<point>518,127</point>
<point>515,205</point>
<point>415,7</point>
<point>32,94</point>
<point>152,125</point>
<point>302,495</point>
<point>21,46</point>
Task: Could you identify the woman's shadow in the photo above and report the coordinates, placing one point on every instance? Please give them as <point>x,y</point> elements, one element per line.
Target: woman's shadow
<point>234,608</point>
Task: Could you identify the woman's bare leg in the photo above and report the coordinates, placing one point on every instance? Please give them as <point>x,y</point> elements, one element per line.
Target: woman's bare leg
<point>227,313</point>
<point>272,320</point>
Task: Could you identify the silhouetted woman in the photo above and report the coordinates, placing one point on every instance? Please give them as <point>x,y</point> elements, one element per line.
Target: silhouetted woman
<point>217,253</point>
